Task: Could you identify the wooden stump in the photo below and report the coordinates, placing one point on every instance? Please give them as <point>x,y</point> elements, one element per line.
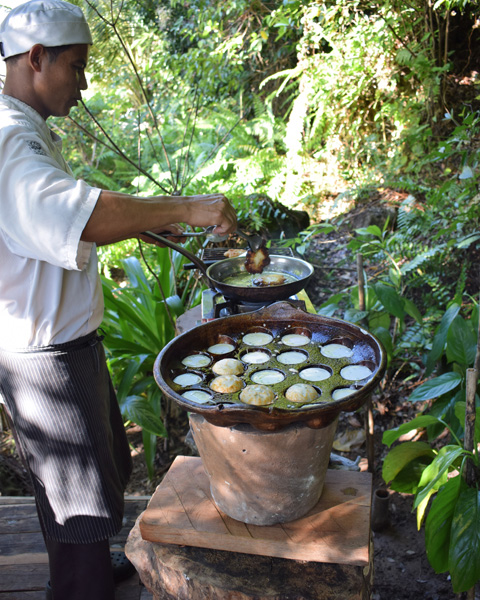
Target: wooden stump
<point>328,550</point>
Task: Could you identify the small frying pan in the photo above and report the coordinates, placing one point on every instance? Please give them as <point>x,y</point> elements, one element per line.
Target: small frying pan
<point>219,272</point>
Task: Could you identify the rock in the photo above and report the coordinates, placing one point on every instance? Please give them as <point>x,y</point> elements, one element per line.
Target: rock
<point>172,572</point>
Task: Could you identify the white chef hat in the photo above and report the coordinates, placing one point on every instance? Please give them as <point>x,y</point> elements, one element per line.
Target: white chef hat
<point>47,22</point>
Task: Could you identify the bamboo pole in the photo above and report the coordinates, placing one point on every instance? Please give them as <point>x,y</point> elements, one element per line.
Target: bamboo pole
<point>469,440</point>
<point>369,424</point>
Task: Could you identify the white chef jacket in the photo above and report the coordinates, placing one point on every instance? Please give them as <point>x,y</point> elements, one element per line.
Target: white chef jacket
<point>50,290</point>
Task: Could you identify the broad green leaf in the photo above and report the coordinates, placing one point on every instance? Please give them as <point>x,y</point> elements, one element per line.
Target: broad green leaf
<point>149,451</point>
<point>412,310</point>
<point>444,408</point>
<point>436,387</point>
<point>385,338</point>
<point>401,455</point>
<point>392,435</point>
<point>422,507</point>
<point>439,522</point>
<point>406,481</point>
<point>374,230</point>
<point>390,299</point>
<point>440,338</point>
<point>132,368</point>
<point>140,412</point>
<point>379,320</point>
<point>464,555</point>
<point>436,473</point>
<point>461,342</point>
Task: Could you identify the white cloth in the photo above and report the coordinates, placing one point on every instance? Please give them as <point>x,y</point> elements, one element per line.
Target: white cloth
<point>50,290</point>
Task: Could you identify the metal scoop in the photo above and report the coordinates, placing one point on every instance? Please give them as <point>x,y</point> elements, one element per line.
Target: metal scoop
<point>254,241</point>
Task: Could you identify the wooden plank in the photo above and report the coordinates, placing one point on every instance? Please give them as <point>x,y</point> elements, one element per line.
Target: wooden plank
<point>336,530</point>
<point>22,595</point>
<point>21,543</point>
<point>18,517</point>
<point>24,559</point>
<point>24,577</point>
<point>24,562</point>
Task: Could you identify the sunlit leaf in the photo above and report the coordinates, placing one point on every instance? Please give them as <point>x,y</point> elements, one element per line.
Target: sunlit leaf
<point>436,387</point>
<point>392,435</point>
<point>436,473</point>
<point>401,455</point>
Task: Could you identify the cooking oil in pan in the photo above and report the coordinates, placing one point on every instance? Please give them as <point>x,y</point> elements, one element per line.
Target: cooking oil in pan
<point>247,280</point>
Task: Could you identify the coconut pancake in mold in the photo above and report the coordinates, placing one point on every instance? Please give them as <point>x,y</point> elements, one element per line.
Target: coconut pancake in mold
<point>336,351</point>
<point>186,379</point>
<point>221,348</point>
<point>295,339</point>
<point>197,360</point>
<point>291,358</point>
<point>301,392</point>
<point>355,372</point>
<point>257,395</point>
<point>228,366</point>
<point>226,384</point>
<point>256,357</point>
<point>198,396</point>
<point>257,338</point>
<point>267,377</point>
<point>340,393</point>
<point>314,374</point>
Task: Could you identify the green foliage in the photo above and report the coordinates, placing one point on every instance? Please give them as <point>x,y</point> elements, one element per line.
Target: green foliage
<point>138,322</point>
<point>451,531</point>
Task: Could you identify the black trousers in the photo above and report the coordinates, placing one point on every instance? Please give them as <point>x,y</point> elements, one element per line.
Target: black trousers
<point>80,571</point>
<point>71,436</point>
<point>70,433</point>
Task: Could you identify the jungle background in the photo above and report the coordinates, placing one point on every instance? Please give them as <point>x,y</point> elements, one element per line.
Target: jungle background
<point>350,132</point>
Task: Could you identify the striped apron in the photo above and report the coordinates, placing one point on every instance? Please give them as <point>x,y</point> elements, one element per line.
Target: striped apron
<point>71,436</point>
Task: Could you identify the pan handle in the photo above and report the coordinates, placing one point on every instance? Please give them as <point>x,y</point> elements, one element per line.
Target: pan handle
<point>196,261</point>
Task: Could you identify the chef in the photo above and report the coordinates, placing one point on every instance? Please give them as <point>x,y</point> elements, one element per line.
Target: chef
<point>53,376</point>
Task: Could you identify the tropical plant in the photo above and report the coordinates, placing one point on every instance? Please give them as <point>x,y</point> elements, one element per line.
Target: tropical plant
<point>139,321</point>
<point>435,468</point>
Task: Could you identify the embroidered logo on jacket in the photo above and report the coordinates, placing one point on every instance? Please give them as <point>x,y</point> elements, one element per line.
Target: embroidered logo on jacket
<point>36,147</point>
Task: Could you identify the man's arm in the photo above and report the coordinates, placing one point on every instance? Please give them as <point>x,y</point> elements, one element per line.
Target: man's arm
<point>119,216</point>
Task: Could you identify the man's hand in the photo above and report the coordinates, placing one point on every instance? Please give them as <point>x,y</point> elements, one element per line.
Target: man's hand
<point>210,209</point>
<point>175,229</point>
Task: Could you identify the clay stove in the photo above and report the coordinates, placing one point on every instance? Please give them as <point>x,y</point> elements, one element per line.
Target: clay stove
<point>267,464</point>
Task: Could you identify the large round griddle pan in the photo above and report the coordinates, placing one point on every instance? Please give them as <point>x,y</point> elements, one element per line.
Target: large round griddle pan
<point>217,273</point>
<point>278,318</point>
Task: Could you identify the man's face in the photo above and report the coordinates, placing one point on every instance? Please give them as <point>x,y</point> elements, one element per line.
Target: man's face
<point>59,83</point>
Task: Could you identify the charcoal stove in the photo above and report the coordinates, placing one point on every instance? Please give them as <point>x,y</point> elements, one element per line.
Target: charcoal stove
<point>267,463</point>
<point>215,305</point>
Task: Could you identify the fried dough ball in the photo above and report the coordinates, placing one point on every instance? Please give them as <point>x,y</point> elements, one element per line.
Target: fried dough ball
<point>257,261</point>
<point>268,280</point>
<point>257,395</point>
<point>301,392</point>
<point>228,366</point>
<point>226,384</point>
<point>234,252</point>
